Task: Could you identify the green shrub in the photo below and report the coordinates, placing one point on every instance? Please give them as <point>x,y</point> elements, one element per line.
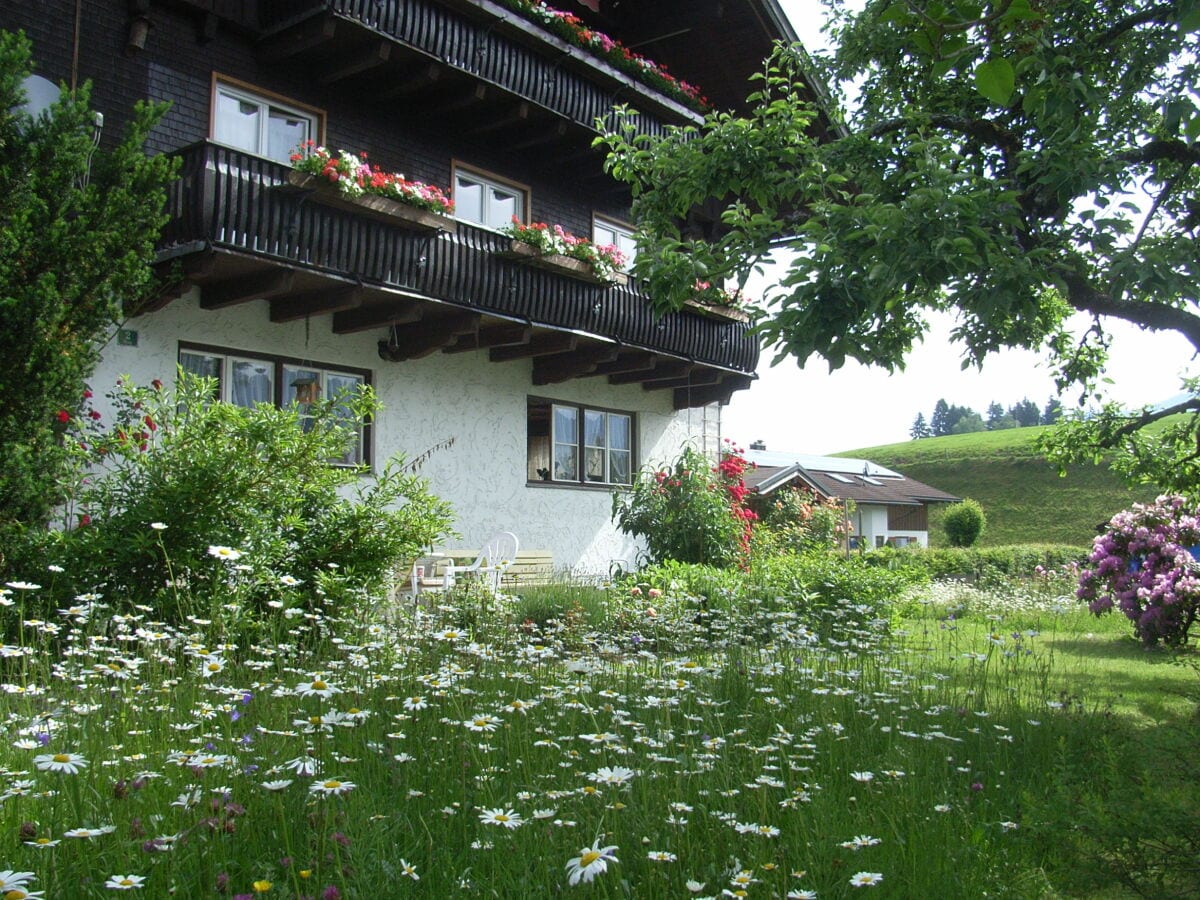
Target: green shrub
<point>686,512</point>
<point>76,250</point>
<point>964,523</point>
<point>177,476</point>
<point>1015,561</point>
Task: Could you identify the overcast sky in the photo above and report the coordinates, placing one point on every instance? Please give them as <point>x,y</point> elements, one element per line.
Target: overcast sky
<point>814,411</point>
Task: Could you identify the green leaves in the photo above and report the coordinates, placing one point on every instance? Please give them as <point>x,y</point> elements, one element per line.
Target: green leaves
<point>996,80</point>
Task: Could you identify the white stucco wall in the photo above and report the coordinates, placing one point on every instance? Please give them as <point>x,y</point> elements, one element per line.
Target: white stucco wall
<point>482,405</point>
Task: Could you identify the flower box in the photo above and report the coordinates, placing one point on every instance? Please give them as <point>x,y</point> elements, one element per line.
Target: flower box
<point>382,209</point>
<point>563,265</point>
<point>716,310</point>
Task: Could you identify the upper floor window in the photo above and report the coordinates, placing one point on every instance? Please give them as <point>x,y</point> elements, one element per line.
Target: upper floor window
<point>487,200</point>
<point>260,123</point>
<point>246,379</point>
<point>620,235</point>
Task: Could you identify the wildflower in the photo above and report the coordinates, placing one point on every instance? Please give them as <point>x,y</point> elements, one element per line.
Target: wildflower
<point>159,526</point>
<point>1009,826</point>
<point>23,585</point>
<point>70,763</point>
<point>261,886</point>
<point>289,581</point>
<point>506,817</point>
<point>124,882</point>
<point>316,688</point>
<point>278,785</point>
<point>694,886</point>
<point>865,879</point>
<point>859,842</point>
<point>801,895</point>
<point>863,777</point>
<point>412,704</point>
<point>482,722</point>
<point>590,862</point>
<point>332,786</point>
<point>661,856</point>
<point>228,554</point>
<point>10,880</point>
<point>942,807</point>
<point>407,868</point>
<point>616,775</point>
<point>42,843</point>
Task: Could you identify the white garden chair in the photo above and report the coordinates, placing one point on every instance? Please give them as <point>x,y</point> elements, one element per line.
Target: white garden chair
<point>497,555</point>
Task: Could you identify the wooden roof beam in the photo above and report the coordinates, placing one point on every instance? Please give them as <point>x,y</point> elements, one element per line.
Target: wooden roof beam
<point>427,336</point>
<point>575,364</point>
<point>306,36</point>
<point>539,345</point>
<point>411,81</point>
<point>364,61</point>
<point>664,368</point>
<point>394,312</point>
<point>316,303</point>
<point>232,291</point>
<point>506,335</point>
<point>686,398</point>
<point>698,377</point>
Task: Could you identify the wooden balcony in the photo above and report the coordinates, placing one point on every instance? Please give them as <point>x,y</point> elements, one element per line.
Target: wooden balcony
<point>477,63</point>
<point>240,231</point>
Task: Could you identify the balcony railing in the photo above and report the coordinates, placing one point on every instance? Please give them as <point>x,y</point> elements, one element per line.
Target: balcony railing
<point>232,201</point>
<point>497,47</point>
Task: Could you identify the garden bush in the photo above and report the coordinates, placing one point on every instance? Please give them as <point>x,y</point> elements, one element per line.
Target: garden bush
<point>689,511</point>
<point>177,486</point>
<point>1145,565</point>
<point>980,564</point>
<point>797,520</point>
<point>964,523</point>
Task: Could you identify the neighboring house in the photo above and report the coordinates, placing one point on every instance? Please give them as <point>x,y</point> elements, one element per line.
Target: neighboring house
<point>554,389</point>
<point>887,507</point>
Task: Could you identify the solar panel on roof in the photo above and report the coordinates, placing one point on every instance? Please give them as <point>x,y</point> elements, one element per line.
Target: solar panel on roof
<point>873,481</point>
<point>842,478</point>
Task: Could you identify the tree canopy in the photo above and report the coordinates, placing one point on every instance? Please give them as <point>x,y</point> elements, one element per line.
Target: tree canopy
<point>1012,161</point>
<point>77,233</point>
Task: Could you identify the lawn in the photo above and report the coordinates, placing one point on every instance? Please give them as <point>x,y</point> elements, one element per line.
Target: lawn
<point>961,743</point>
<point>1024,497</point>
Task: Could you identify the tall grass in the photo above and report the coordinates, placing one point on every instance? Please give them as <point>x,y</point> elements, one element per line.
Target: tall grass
<point>480,750</point>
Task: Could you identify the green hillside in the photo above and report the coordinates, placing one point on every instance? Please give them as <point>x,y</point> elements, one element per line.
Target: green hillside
<point>1023,496</point>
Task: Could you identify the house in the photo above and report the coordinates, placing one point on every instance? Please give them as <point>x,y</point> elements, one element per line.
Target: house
<point>887,507</point>
<point>543,389</point>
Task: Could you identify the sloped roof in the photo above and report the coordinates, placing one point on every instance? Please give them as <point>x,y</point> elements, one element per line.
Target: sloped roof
<point>847,479</point>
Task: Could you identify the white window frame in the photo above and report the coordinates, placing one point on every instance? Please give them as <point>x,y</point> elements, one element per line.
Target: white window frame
<point>622,237</point>
<point>266,102</point>
<point>489,183</point>
<point>283,369</point>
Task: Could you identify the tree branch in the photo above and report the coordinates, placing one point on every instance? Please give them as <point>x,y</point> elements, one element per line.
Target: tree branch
<point>1173,150</point>
<point>1159,15</point>
<point>1192,404</point>
<point>1155,316</point>
<point>981,129</point>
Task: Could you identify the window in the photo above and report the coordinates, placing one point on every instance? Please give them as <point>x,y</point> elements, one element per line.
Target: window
<point>486,200</point>
<point>608,231</point>
<point>260,124</point>
<point>247,380</point>
<point>576,445</point>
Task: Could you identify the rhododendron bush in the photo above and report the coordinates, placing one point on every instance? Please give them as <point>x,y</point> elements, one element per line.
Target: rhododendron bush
<point>1145,564</point>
